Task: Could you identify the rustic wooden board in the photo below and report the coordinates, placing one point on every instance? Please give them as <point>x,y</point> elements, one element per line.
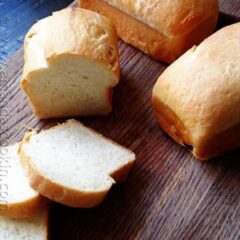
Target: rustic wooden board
<point>169,194</point>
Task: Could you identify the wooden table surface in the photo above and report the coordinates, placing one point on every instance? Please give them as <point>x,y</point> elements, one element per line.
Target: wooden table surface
<point>169,194</point>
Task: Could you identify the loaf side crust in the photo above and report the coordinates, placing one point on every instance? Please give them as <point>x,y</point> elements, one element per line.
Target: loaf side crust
<point>219,144</point>
<point>149,40</point>
<point>170,18</point>
<point>24,209</point>
<point>214,146</point>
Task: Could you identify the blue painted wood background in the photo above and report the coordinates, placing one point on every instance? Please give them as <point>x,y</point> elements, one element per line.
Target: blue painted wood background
<point>17,16</point>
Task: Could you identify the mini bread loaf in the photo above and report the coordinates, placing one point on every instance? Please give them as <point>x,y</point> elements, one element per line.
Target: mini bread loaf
<point>197,98</point>
<point>71,64</point>
<point>73,165</point>
<point>17,198</point>
<point>162,29</point>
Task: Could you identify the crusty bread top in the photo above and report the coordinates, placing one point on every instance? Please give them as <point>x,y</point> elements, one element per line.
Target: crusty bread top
<point>72,31</point>
<point>169,17</point>
<point>203,86</point>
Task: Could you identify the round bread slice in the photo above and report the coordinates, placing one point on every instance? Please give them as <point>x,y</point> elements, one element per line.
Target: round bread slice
<point>17,198</point>
<point>35,228</point>
<point>73,165</point>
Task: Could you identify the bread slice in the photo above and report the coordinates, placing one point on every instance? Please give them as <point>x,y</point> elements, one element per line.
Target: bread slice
<point>35,228</point>
<point>71,64</point>
<point>17,198</point>
<point>73,165</point>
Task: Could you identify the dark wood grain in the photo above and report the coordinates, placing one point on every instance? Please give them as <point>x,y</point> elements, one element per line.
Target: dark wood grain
<point>169,194</point>
<point>231,7</point>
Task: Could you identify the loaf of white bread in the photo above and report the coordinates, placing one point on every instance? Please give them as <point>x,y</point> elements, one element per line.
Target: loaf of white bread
<point>74,165</point>
<point>197,98</point>
<point>71,64</point>
<point>17,198</point>
<point>163,29</point>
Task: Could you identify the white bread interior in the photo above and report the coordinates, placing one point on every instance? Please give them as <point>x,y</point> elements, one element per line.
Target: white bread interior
<point>17,198</point>
<point>74,165</point>
<point>71,64</point>
<point>197,98</point>
<point>35,228</point>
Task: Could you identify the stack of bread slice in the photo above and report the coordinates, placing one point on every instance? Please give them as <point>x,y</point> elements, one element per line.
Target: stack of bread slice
<point>23,212</point>
<point>69,164</point>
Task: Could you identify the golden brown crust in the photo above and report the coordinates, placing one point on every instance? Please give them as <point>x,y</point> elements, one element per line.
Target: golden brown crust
<point>170,123</point>
<point>217,145</point>
<point>24,209</point>
<point>82,32</point>
<point>170,17</point>
<point>197,98</point>
<point>150,40</point>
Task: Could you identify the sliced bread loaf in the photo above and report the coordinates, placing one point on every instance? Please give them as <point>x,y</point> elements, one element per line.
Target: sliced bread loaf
<point>35,228</point>
<point>71,64</point>
<point>73,165</point>
<point>17,198</point>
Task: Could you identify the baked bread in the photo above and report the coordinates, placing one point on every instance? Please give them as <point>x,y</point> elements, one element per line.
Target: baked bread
<point>71,64</point>
<point>162,29</point>
<point>74,165</point>
<point>35,228</point>
<point>17,198</point>
<point>197,98</point>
